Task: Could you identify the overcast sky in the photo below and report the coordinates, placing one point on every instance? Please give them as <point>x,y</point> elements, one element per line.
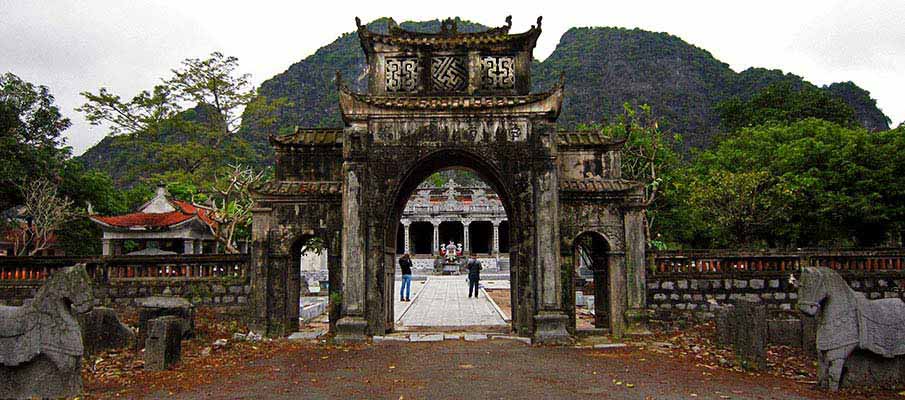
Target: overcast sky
<point>126,46</point>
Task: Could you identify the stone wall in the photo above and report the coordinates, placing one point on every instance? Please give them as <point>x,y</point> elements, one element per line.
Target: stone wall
<point>696,295</point>
<point>230,292</point>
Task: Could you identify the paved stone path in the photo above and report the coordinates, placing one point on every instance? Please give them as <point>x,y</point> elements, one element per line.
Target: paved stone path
<point>443,302</point>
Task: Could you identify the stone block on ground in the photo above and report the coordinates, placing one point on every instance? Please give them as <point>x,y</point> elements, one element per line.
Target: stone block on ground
<point>102,330</point>
<point>429,337</point>
<point>750,341</point>
<point>512,338</point>
<point>163,345</point>
<point>474,337</point>
<point>389,339</point>
<point>159,306</point>
<point>306,335</point>
<point>864,369</point>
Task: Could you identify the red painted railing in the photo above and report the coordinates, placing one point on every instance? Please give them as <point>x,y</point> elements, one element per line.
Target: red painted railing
<point>30,269</point>
<point>723,261</point>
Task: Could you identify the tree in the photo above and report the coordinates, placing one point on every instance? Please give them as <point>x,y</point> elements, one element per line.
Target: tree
<point>43,214</point>
<point>187,126</point>
<point>230,205</point>
<point>783,103</point>
<point>31,142</point>
<point>648,155</point>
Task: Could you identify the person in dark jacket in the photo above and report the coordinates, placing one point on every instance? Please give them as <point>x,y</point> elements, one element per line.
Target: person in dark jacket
<point>405,264</point>
<point>474,275</point>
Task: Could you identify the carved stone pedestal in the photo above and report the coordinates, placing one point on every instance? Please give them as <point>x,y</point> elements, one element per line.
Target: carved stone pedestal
<point>550,328</point>
<point>351,330</point>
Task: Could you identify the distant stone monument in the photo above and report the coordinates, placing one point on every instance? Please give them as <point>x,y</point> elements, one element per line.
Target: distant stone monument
<point>40,342</point>
<point>859,341</point>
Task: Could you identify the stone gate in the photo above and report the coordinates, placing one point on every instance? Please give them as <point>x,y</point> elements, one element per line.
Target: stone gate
<point>442,100</point>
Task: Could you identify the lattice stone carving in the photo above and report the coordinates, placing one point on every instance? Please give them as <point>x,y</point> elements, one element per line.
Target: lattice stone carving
<point>403,74</point>
<point>497,72</point>
<point>448,74</point>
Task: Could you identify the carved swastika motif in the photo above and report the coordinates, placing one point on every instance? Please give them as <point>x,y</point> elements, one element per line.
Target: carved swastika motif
<point>448,74</point>
<point>497,72</point>
<point>403,74</point>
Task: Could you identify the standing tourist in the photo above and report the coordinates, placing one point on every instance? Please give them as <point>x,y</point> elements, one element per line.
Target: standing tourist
<point>474,274</point>
<point>405,264</point>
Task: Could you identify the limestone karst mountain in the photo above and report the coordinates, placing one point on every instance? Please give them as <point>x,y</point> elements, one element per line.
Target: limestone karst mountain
<point>603,68</point>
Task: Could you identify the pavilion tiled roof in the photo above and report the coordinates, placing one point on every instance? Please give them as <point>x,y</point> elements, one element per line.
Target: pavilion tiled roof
<point>447,102</point>
<point>288,188</point>
<point>310,137</point>
<point>448,37</point>
<point>586,138</point>
<point>184,212</point>
<point>598,185</point>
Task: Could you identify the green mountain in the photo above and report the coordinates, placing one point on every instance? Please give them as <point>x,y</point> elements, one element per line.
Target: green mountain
<point>603,68</point>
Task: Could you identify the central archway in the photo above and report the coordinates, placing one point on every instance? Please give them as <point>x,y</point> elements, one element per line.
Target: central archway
<point>420,170</point>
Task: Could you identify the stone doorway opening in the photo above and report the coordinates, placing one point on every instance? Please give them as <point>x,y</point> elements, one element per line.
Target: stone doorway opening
<point>452,205</point>
<point>310,285</point>
<point>591,282</point>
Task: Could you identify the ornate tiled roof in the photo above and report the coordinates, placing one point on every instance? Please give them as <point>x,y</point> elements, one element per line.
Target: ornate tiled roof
<point>598,185</point>
<point>449,36</point>
<point>184,211</point>
<point>310,137</point>
<point>447,102</point>
<point>586,138</point>
<point>289,188</point>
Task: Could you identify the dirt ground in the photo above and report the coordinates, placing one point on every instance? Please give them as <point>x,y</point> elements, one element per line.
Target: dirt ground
<point>459,370</point>
<point>667,365</point>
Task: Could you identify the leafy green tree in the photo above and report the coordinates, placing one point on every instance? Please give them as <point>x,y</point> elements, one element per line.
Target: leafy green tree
<point>649,156</point>
<point>809,183</point>
<point>182,145</point>
<point>783,103</point>
<point>31,142</point>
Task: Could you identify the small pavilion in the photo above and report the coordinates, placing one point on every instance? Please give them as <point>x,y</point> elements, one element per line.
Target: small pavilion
<point>159,227</point>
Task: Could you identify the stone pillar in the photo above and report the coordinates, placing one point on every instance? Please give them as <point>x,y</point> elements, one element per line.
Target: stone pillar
<point>107,247</point>
<point>551,319</point>
<point>496,238</point>
<point>466,241</point>
<point>262,218</point>
<point>188,246</point>
<point>406,224</point>
<point>636,286</point>
<point>435,249</point>
<point>352,326</point>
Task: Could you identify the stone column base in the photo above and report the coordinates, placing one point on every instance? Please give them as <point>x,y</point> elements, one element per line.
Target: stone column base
<point>636,322</point>
<point>550,328</point>
<point>350,330</point>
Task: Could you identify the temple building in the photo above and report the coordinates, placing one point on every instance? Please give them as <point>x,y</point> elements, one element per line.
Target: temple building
<point>471,216</point>
<point>159,227</point>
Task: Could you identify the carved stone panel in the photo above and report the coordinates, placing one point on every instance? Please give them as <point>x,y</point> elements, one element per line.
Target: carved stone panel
<point>497,72</point>
<point>449,73</point>
<point>403,75</point>
<point>465,130</point>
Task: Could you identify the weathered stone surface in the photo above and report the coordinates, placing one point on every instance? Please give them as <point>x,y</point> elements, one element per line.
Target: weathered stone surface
<point>430,337</point>
<point>41,345</point>
<point>163,346</point>
<point>846,322</point>
<point>784,332</point>
<point>306,335</point>
<point>159,306</point>
<point>750,342</point>
<point>102,330</point>
<point>474,337</point>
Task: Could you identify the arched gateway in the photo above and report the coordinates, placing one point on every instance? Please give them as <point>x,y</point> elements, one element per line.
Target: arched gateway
<point>436,101</point>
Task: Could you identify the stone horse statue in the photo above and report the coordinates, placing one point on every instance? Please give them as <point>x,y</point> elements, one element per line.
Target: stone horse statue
<point>41,343</point>
<point>846,320</point>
